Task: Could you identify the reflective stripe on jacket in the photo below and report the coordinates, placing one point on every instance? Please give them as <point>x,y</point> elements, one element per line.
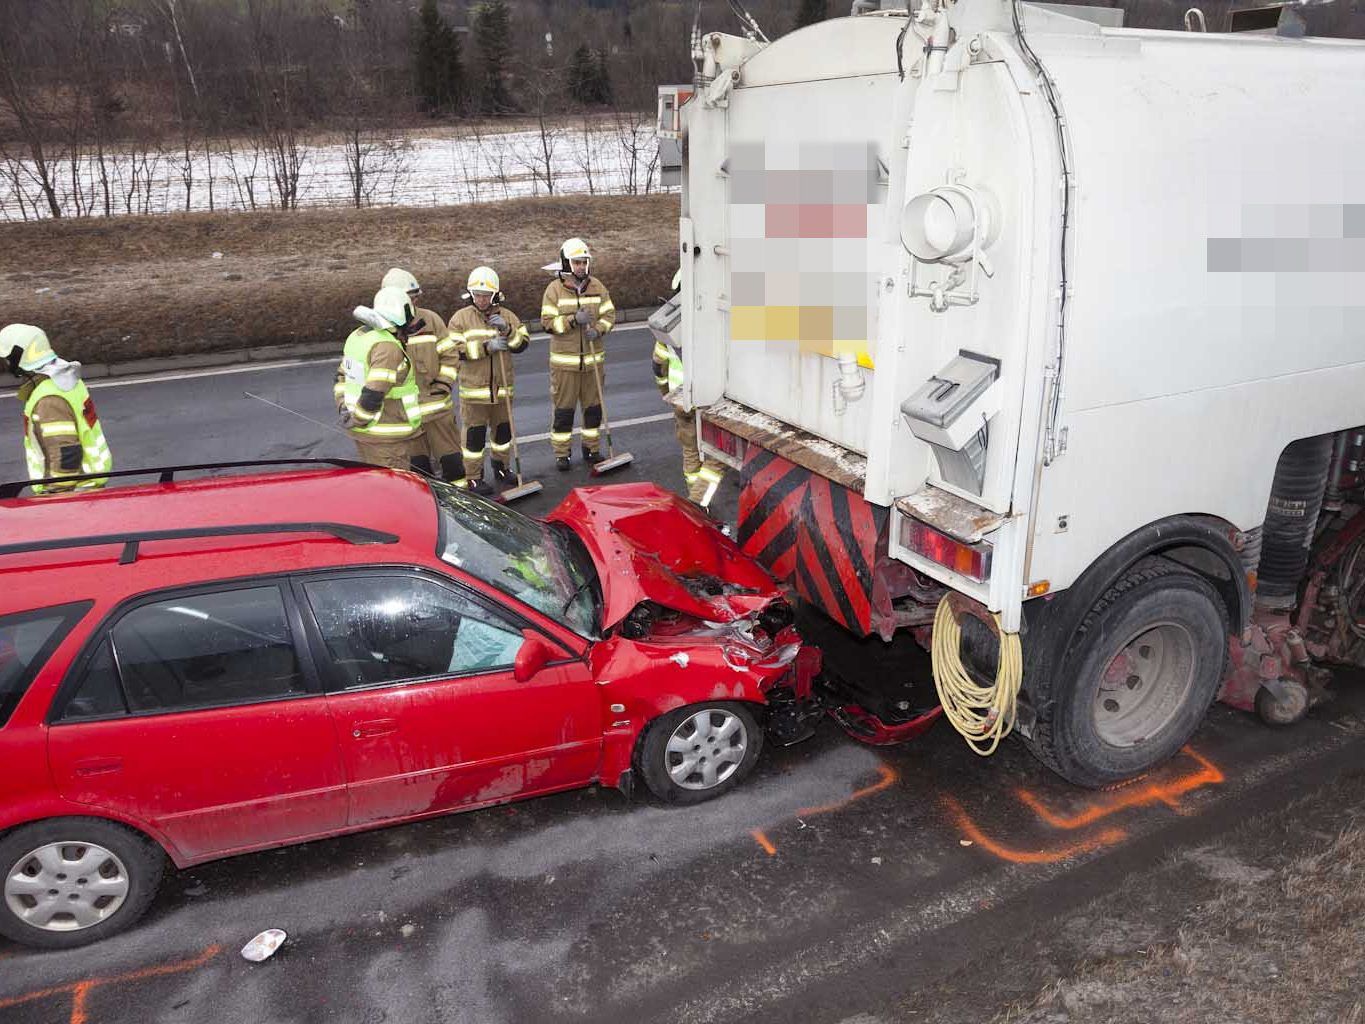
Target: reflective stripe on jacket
<point>82,427</point>
<point>376,360</point>
<point>569,349</point>
<point>482,372</point>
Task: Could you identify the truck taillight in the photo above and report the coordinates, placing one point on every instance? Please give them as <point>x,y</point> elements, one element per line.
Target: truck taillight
<point>970,560</point>
<point>722,440</point>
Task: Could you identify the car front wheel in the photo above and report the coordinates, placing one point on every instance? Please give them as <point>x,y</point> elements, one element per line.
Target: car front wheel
<point>700,751</point>
<point>68,882</point>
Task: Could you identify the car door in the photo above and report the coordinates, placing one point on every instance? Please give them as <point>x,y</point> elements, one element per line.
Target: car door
<point>197,712</point>
<point>429,713</point>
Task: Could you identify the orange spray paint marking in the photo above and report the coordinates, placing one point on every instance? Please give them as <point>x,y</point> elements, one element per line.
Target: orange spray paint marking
<point>79,991</point>
<point>887,777</point>
<point>1109,837</point>
<point>761,838</point>
<point>1140,795</point>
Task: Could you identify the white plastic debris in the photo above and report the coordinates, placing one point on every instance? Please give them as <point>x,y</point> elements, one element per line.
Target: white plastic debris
<point>876,860</point>
<point>680,659</point>
<point>964,842</point>
<point>263,946</point>
<point>218,255</point>
<point>407,930</point>
<point>39,291</point>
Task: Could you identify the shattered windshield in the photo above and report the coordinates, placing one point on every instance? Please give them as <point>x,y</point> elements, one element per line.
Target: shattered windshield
<point>543,565</point>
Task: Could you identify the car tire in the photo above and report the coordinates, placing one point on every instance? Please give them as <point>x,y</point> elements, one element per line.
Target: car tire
<point>1137,678</point>
<point>121,867</point>
<point>720,739</point>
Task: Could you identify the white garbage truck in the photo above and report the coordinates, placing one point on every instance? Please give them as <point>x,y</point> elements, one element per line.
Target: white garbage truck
<point>1045,338</point>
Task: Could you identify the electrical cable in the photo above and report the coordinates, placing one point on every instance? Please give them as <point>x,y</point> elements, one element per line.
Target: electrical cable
<point>1064,154</point>
<point>983,715</point>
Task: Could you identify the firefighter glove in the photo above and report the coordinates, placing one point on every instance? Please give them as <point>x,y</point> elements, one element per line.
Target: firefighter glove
<point>498,321</point>
<point>348,421</point>
<point>582,317</point>
<point>592,333</point>
<point>497,345</point>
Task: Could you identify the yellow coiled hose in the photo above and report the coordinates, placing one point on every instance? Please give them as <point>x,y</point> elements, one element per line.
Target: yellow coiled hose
<point>984,715</point>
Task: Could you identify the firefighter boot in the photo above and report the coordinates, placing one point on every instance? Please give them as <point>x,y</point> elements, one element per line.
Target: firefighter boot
<point>481,487</point>
<point>562,463</point>
<point>591,458</point>
<point>502,476</point>
<point>452,468</point>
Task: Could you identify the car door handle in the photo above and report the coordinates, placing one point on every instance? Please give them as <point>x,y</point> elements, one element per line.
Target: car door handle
<point>378,727</point>
<point>99,766</point>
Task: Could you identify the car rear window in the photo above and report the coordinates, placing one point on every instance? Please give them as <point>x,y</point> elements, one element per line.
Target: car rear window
<point>27,640</point>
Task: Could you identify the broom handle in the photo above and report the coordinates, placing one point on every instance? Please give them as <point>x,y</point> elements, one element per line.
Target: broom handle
<point>601,398</point>
<point>511,423</point>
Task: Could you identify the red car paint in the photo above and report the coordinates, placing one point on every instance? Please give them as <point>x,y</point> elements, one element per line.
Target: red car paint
<point>213,781</point>
<point>651,543</point>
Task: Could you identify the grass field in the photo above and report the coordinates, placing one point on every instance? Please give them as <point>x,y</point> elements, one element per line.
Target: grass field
<point>123,288</point>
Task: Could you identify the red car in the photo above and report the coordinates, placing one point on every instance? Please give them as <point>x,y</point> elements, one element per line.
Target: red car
<point>195,669</point>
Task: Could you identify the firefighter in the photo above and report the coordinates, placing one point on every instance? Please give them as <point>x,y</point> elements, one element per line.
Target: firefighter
<point>62,433</point>
<point>435,357</point>
<point>702,477</point>
<point>485,332</point>
<point>377,391</point>
<point>577,312</point>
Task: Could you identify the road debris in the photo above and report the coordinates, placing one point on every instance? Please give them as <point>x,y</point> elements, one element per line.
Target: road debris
<point>264,945</point>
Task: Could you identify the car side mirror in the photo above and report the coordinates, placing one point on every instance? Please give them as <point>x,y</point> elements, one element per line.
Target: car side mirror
<point>533,655</point>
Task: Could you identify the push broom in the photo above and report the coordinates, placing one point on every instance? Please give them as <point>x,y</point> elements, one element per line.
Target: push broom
<point>523,489</point>
<point>612,461</point>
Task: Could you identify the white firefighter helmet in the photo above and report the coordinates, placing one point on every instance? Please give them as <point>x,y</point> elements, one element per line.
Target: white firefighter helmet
<point>394,306</point>
<point>399,278</point>
<point>35,351</point>
<point>573,249</point>
<point>483,279</point>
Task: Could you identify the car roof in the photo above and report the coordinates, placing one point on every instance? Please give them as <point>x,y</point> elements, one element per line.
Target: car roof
<point>398,504</point>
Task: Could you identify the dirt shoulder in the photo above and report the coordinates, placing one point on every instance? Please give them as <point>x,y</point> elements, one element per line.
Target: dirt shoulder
<point>1260,927</point>
<point>108,290</point>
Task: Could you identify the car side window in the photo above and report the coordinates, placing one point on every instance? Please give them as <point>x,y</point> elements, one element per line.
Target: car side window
<point>207,650</point>
<point>98,693</point>
<point>385,629</point>
<point>27,640</point>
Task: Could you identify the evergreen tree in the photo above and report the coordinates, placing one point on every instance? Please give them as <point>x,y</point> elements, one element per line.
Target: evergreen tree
<point>580,74</point>
<point>490,24</point>
<point>601,79</point>
<point>436,61</point>
<point>809,12</point>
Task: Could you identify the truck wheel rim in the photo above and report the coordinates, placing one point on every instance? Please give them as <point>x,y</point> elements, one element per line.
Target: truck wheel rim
<point>67,886</point>
<point>1145,685</point>
<point>706,749</point>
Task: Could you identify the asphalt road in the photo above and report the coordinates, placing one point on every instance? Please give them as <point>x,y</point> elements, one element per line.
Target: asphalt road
<point>841,883</point>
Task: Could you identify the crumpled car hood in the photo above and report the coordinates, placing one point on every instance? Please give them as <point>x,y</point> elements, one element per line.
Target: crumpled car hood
<point>650,544</point>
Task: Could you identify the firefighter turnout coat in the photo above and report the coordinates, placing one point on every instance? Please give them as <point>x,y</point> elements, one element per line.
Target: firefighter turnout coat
<point>62,433</point>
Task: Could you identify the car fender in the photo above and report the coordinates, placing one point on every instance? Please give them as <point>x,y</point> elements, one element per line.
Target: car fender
<point>641,682</point>
<point>45,808</point>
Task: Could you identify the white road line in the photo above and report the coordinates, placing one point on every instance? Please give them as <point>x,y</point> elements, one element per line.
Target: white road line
<point>633,422</point>
<point>219,371</point>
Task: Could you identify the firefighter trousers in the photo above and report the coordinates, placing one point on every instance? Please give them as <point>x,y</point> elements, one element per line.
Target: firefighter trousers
<point>702,477</point>
<point>440,443</point>
<point>394,454</point>
<point>485,426</point>
<point>570,389</point>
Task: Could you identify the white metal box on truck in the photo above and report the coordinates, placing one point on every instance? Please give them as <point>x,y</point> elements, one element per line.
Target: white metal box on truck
<point>1141,249</point>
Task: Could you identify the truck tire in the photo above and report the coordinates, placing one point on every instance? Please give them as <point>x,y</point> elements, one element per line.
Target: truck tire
<point>67,882</point>
<point>1137,678</point>
<point>699,751</point>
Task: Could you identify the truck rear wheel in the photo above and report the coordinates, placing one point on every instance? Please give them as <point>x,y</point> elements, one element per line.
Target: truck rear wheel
<point>1137,678</point>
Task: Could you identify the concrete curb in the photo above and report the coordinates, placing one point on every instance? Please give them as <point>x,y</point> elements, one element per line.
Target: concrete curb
<point>264,354</point>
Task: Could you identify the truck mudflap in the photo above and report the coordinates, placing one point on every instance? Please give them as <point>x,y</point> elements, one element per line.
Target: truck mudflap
<point>817,535</point>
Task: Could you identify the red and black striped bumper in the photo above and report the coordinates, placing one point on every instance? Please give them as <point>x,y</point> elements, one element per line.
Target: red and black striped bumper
<point>817,535</point>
